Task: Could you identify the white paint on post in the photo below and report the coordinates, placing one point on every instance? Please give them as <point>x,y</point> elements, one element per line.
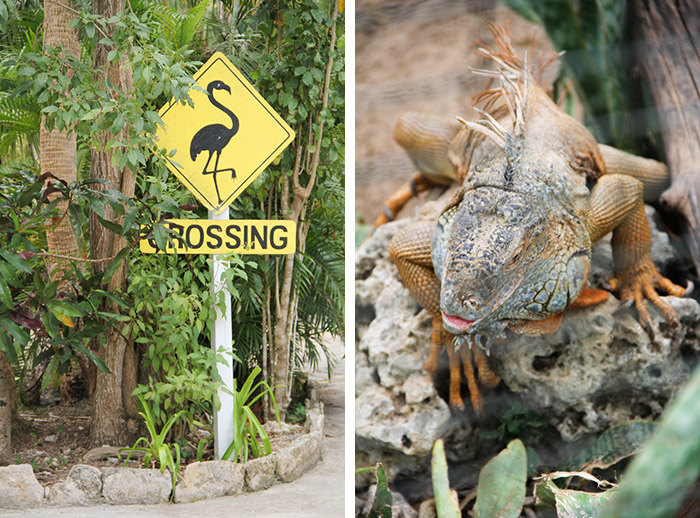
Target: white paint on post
<point>222,341</point>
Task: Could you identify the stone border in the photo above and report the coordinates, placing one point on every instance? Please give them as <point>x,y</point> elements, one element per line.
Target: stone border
<point>88,485</point>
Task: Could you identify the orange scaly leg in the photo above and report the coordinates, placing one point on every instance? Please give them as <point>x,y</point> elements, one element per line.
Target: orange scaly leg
<point>474,392</point>
<point>418,183</point>
<point>436,338</point>
<point>455,377</point>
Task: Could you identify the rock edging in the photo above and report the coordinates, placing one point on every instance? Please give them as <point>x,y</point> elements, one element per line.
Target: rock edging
<point>88,485</point>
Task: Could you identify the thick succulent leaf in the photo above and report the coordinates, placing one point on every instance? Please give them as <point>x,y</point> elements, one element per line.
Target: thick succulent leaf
<point>446,503</point>
<point>501,490</point>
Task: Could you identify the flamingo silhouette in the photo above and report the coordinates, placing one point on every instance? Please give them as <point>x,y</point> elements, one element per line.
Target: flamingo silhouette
<point>215,137</point>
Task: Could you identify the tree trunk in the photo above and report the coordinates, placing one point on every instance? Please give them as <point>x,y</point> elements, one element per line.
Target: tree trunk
<point>7,402</point>
<point>307,161</point>
<point>113,407</point>
<point>57,150</point>
<point>667,42</point>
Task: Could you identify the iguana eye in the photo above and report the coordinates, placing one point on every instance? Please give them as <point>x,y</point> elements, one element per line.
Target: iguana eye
<point>517,255</point>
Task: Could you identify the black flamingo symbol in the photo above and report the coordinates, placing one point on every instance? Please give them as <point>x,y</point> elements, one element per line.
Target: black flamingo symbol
<point>215,137</point>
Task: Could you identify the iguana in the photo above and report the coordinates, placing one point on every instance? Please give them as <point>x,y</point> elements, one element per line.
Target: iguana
<point>512,248</point>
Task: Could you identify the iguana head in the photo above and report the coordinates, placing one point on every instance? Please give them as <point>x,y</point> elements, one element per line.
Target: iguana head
<point>504,256</point>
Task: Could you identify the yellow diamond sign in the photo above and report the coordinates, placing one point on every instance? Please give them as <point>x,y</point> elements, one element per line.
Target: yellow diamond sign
<point>226,139</point>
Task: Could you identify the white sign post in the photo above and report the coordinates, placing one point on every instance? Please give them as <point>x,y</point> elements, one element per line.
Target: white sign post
<point>219,144</point>
<point>222,342</point>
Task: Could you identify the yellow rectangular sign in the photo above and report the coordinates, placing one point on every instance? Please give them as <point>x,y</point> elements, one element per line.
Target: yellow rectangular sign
<point>242,236</point>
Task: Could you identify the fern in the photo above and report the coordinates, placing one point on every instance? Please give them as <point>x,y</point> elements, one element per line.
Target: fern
<point>20,121</point>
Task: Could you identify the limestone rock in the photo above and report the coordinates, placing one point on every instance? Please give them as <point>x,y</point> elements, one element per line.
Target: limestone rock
<point>19,488</point>
<point>598,369</point>
<point>210,479</point>
<point>260,473</point>
<point>298,458</point>
<point>314,418</point>
<point>127,486</point>
<point>83,486</point>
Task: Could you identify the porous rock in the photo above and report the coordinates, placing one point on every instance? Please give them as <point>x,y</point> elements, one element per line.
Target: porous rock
<point>260,473</point>
<point>83,486</point>
<point>210,479</point>
<point>600,368</point>
<point>314,417</point>
<point>295,460</point>
<point>127,486</point>
<point>19,488</point>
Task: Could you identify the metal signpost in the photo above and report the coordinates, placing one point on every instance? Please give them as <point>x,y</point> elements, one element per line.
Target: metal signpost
<point>219,146</point>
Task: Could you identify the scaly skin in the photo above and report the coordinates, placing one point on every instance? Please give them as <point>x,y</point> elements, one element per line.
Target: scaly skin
<point>512,248</point>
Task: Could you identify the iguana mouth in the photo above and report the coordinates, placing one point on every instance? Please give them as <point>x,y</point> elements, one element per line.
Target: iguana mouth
<point>456,322</point>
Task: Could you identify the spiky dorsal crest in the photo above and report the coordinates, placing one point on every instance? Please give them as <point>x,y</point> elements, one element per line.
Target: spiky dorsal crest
<point>514,79</point>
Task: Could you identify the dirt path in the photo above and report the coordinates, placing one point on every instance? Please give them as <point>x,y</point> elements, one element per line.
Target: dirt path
<point>318,493</point>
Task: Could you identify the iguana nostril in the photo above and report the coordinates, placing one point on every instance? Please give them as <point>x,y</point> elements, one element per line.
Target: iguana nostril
<point>471,303</point>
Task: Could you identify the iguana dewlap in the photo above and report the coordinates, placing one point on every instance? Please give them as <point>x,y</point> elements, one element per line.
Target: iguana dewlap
<point>512,249</point>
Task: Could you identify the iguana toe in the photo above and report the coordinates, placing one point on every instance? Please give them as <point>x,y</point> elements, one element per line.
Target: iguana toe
<point>468,367</point>
<point>487,377</point>
<point>640,284</point>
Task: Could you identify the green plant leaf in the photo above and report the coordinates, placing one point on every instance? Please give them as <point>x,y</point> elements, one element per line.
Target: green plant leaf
<point>615,444</point>
<point>570,503</point>
<point>381,507</point>
<point>501,489</point>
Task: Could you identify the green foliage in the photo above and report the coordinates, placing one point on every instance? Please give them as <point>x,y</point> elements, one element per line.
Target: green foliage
<point>593,34</point>
<point>173,315</point>
<point>19,124</point>
<point>37,321</point>
<point>517,422</point>
<point>446,504</point>
<point>248,433</point>
<point>296,414</point>
<point>287,64</point>
<point>158,451</point>
<point>176,30</point>
<point>501,489</point>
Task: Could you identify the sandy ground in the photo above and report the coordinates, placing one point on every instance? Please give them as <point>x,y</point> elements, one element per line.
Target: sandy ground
<point>318,493</point>
<point>415,55</point>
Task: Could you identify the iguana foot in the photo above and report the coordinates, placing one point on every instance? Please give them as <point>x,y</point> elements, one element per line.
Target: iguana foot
<point>470,356</point>
<point>641,281</point>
